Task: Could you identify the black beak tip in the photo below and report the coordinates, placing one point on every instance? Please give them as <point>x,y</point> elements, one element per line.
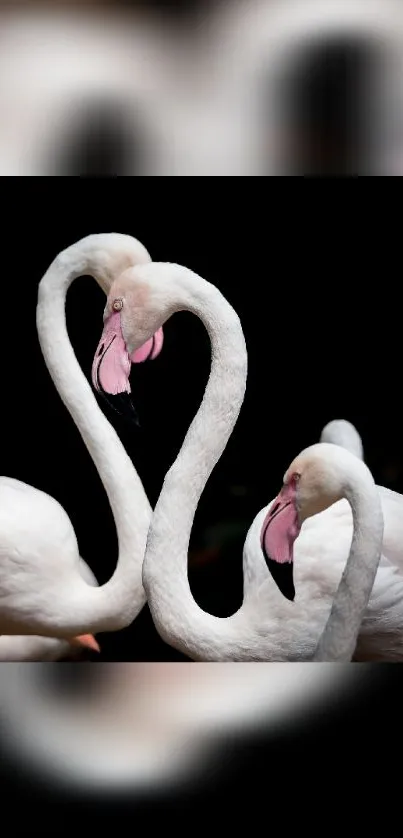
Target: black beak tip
<point>283,576</point>
<point>122,404</point>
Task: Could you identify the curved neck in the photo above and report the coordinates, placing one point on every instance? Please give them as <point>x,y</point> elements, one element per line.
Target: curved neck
<point>178,618</point>
<point>347,438</point>
<point>339,639</point>
<point>116,604</point>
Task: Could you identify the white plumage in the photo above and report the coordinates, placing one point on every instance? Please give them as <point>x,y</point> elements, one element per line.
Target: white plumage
<point>266,627</point>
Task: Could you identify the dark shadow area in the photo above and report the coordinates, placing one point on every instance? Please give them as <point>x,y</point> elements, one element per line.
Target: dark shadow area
<point>101,143</point>
<point>324,96</point>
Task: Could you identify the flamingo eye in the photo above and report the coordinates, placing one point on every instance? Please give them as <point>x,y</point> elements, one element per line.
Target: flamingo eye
<point>117,304</point>
<point>293,478</point>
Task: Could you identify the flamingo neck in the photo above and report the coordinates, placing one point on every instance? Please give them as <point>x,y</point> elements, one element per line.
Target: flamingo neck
<point>178,618</point>
<point>339,638</point>
<point>114,605</point>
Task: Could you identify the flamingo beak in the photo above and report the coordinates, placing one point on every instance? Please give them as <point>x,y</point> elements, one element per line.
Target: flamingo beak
<point>111,369</point>
<point>87,641</point>
<point>280,529</point>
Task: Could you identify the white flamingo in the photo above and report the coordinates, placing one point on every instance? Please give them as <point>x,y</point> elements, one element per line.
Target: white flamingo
<point>267,626</point>
<point>43,589</point>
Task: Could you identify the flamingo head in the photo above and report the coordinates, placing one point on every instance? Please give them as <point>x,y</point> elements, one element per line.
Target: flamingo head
<point>139,302</point>
<point>112,361</point>
<point>312,483</point>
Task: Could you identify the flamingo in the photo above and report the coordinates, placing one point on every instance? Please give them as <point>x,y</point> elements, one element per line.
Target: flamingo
<point>43,589</point>
<point>316,480</point>
<point>267,626</point>
<point>338,432</point>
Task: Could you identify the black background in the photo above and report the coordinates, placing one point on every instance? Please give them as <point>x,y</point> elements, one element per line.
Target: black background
<point>311,270</point>
<point>319,307</point>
